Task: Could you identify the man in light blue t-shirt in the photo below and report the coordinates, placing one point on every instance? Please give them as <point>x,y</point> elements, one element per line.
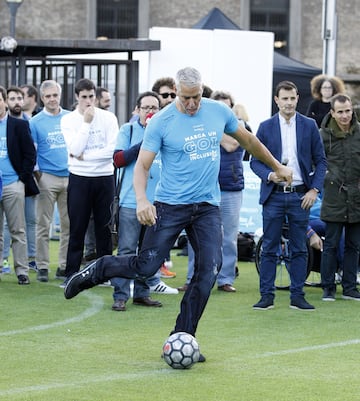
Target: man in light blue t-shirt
<point>53,176</point>
<point>188,134</point>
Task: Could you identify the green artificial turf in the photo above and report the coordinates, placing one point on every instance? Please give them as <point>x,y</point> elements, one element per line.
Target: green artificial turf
<point>53,349</point>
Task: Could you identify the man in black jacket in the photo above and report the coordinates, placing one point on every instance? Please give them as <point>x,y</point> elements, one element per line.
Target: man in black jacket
<point>17,161</point>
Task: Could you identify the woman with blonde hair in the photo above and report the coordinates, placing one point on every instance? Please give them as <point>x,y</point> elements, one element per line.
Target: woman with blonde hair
<point>323,88</point>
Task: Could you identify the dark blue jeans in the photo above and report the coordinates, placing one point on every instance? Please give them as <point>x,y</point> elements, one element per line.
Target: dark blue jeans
<point>281,206</point>
<point>202,223</point>
<point>333,233</point>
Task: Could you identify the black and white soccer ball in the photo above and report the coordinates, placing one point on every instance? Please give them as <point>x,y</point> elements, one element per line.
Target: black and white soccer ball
<point>181,350</point>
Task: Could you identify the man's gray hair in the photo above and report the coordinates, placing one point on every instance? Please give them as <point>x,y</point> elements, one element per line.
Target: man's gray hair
<point>47,84</point>
<point>189,77</point>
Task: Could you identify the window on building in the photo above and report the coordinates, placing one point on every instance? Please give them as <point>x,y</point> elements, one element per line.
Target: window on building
<point>272,16</point>
<point>117,19</point>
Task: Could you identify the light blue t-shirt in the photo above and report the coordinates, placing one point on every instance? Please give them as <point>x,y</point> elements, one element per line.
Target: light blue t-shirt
<point>9,175</point>
<point>190,151</point>
<point>52,155</point>
<point>127,193</point>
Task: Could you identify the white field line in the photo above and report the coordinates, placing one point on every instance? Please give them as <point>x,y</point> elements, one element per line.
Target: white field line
<point>97,303</point>
<point>96,306</point>
<point>310,348</point>
<point>85,382</point>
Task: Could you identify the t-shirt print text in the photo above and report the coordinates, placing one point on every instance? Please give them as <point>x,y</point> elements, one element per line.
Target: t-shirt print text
<point>201,145</point>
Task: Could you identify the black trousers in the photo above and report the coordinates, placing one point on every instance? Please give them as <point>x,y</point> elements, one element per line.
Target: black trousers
<point>86,195</point>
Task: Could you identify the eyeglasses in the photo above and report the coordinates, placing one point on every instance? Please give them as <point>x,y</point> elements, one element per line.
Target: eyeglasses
<point>165,95</point>
<point>326,87</point>
<point>149,108</point>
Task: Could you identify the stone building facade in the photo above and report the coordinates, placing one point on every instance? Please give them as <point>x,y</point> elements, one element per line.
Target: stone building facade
<point>76,19</point>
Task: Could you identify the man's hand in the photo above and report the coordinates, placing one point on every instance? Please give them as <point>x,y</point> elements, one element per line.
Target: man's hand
<point>89,114</point>
<point>316,242</point>
<point>284,173</point>
<point>309,199</point>
<point>146,213</point>
<point>274,178</point>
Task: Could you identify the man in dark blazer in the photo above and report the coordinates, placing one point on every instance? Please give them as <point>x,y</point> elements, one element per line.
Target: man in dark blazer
<point>294,140</point>
<point>17,161</point>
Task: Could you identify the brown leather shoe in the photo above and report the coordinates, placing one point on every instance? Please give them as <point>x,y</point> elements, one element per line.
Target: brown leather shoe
<point>119,305</point>
<point>183,288</point>
<point>146,301</point>
<point>227,288</point>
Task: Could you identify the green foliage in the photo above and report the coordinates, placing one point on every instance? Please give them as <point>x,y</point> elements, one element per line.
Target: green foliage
<point>53,349</point>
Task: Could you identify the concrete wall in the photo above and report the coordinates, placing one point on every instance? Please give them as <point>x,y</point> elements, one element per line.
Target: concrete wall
<point>48,19</point>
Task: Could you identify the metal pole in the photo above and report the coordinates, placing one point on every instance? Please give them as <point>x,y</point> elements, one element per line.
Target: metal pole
<point>13,9</point>
<point>329,33</point>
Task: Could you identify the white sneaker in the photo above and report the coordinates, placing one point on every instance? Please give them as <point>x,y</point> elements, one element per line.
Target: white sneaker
<point>168,264</point>
<point>338,277</point>
<point>105,284</point>
<point>162,288</point>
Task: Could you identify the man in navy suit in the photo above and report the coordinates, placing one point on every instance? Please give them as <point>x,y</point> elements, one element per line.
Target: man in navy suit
<point>17,161</point>
<point>294,140</point>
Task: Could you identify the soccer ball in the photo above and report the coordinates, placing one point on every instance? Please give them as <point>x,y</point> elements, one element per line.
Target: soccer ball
<point>181,350</point>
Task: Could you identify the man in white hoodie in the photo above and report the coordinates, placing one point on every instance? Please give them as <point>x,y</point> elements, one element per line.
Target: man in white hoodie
<point>90,135</point>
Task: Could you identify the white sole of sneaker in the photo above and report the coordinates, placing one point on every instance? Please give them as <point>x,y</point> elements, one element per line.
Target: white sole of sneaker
<point>297,308</point>
<point>267,308</point>
<point>350,298</point>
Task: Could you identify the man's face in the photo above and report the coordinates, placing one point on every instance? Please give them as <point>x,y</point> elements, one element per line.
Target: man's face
<point>226,101</point>
<point>85,99</point>
<point>28,100</point>
<point>287,101</point>
<point>167,95</point>
<point>15,103</point>
<point>105,101</point>
<point>342,114</point>
<point>149,104</point>
<point>189,99</point>
<point>51,99</point>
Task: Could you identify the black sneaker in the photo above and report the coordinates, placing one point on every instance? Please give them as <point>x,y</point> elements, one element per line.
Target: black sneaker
<point>42,275</point>
<point>301,304</point>
<point>353,294</point>
<point>23,279</point>
<point>266,302</point>
<point>81,281</point>
<point>60,274</point>
<point>328,294</point>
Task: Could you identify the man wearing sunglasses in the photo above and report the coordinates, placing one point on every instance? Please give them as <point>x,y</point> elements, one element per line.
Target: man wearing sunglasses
<point>166,89</point>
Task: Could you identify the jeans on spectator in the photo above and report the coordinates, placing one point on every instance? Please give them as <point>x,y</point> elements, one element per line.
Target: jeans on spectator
<point>230,215</point>
<point>351,255</point>
<point>278,207</point>
<point>129,236</point>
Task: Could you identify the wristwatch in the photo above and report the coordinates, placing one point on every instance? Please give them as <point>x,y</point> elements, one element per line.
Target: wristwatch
<point>316,190</point>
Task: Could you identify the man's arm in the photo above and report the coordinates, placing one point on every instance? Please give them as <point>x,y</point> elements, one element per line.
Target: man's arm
<point>145,210</point>
<point>251,143</point>
<point>228,143</point>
